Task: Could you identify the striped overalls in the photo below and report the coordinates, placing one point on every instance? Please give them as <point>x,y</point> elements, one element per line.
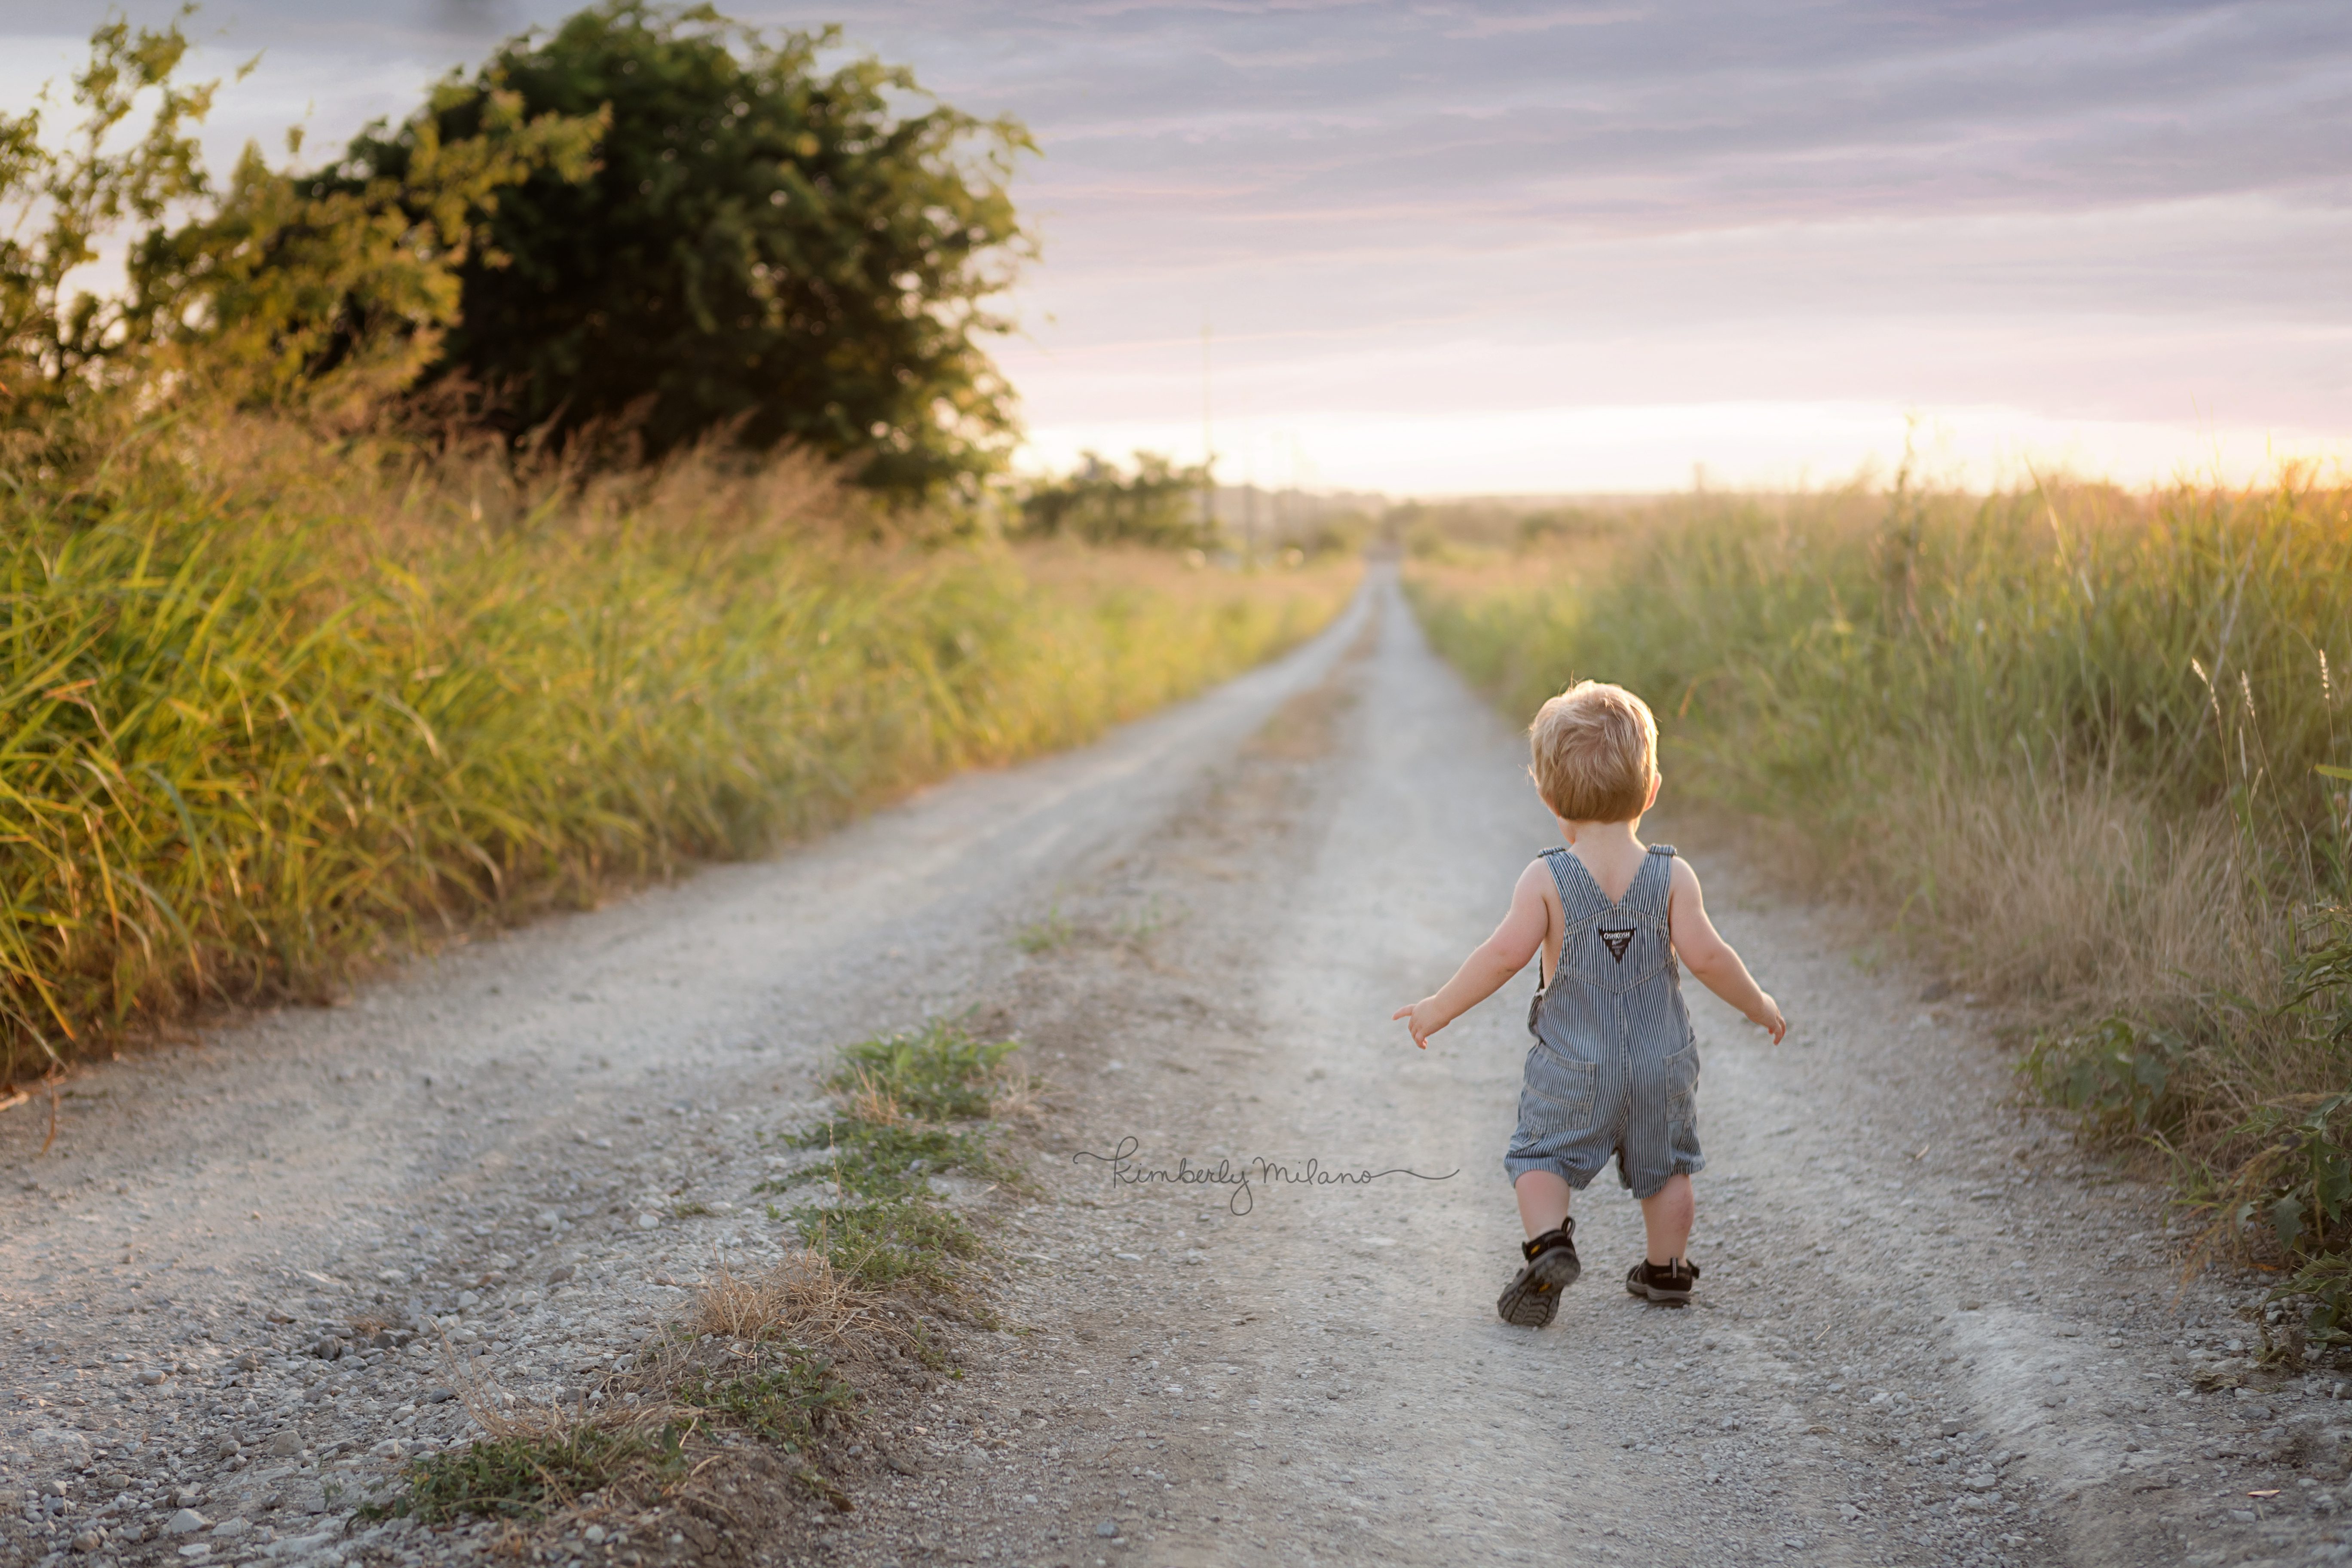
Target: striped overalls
<point>1614,1067</point>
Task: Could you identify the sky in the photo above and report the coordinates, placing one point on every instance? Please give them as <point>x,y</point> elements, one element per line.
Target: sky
<point>1444,248</point>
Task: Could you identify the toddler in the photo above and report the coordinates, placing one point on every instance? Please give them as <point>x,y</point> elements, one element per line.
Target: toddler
<point>1614,1067</point>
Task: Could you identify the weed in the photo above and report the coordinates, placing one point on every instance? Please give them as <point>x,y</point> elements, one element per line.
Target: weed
<point>1137,929</point>
<point>802,1301</point>
<point>893,1159</point>
<point>690,1210</point>
<point>913,1106</point>
<point>2120,1076</point>
<point>527,1476</point>
<point>786,1401</point>
<point>892,1243</point>
<point>938,1072</point>
<point>1054,930</point>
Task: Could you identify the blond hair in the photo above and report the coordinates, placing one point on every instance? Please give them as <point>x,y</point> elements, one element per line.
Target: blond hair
<point>1595,754</point>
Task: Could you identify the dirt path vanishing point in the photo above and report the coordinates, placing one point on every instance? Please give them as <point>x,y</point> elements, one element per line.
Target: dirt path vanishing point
<point>1929,1331</point>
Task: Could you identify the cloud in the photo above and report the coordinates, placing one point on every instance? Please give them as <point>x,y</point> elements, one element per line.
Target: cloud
<point>2108,210</point>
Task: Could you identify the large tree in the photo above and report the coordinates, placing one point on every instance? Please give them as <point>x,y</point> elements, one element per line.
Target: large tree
<point>768,248</point>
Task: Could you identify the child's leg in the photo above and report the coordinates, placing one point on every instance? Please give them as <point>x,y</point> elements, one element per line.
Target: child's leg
<point>1666,1215</point>
<point>1543,1201</point>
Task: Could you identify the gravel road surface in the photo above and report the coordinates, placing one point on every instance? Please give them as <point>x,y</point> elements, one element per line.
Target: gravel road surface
<point>1929,1329</point>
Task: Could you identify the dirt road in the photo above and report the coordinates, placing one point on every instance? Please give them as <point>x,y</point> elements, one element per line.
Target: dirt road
<point>1929,1331</point>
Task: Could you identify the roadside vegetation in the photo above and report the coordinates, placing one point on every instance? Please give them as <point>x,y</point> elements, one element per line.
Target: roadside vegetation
<point>272,715</point>
<point>2089,752</point>
<point>337,614</point>
<point>779,1363</point>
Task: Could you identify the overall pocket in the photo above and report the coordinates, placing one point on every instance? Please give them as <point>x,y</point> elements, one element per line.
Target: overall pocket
<point>1682,1084</point>
<point>1681,1109</point>
<point>1559,1092</point>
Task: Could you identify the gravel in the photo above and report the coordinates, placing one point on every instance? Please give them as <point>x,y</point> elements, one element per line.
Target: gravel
<point>245,1285</point>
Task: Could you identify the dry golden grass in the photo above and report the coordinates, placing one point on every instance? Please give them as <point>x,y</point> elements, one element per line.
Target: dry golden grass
<point>1017,1097</point>
<point>1983,716</point>
<point>2087,750</point>
<point>872,1100</point>
<point>282,710</point>
<point>803,1300</point>
<point>2086,898</point>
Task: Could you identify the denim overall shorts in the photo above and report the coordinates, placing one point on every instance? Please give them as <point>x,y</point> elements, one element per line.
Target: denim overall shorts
<point>1614,1066</point>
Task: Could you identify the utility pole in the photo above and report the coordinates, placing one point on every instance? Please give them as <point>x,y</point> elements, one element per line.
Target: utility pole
<point>1208,448</point>
<point>1249,499</point>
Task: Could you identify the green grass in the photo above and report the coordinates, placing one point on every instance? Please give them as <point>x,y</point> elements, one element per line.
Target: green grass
<point>905,1243</point>
<point>914,1105</point>
<point>275,708</point>
<point>2087,750</point>
<point>937,1072</point>
<point>1046,934</point>
<point>528,1477</point>
<point>885,1159</point>
<point>788,1401</point>
<point>888,1231</point>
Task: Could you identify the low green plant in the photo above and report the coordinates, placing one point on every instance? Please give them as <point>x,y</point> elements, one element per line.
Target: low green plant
<point>1141,926</point>
<point>885,1158</point>
<point>530,1476</point>
<point>939,1072</point>
<point>788,1400</point>
<point>1043,935</point>
<point>893,1242</point>
<point>913,1105</point>
<point>2323,1285</point>
<point>2270,1171</point>
<point>2122,1079</point>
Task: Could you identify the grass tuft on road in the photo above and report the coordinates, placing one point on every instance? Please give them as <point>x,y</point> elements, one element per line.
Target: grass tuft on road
<point>526,1476</point>
<point>772,1354</point>
<point>913,1106</point>
<point>787,1399</point>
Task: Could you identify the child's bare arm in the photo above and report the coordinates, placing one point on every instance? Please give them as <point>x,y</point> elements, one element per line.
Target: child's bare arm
<point>1708,955</point>
<point>1490,963</point>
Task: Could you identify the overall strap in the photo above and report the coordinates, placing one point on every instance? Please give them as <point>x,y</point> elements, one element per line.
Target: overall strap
<point>1654,884</point>
<point>1579,896</point>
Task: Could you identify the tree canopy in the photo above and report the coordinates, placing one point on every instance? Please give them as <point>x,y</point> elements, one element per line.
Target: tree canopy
<point>767,247</point>
<point>1160,505</point>
<point>652,220</point>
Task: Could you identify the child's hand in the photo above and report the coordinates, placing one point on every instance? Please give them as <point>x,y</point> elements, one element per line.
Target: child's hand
<point>1422,1018</point>
<point>1769,1019</point>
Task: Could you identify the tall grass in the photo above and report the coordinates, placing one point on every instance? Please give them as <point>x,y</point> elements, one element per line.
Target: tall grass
<point>2087,747</point>
<point>272,710</point>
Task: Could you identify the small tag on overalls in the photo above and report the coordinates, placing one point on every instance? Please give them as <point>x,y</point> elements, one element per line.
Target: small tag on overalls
<point>1617,942</point>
